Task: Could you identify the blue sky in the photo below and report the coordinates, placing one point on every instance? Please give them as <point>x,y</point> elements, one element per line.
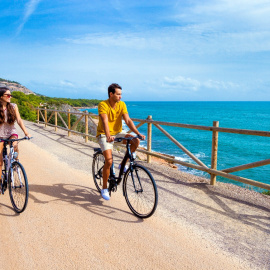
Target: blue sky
<point>156,50</point>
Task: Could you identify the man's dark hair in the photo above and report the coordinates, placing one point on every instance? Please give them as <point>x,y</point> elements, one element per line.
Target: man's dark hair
<point>112,87</point>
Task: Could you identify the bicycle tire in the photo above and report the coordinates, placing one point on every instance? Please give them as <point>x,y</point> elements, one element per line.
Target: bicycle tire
<point>19,192</point>
<point>97,168</point>
<point>143,198</point>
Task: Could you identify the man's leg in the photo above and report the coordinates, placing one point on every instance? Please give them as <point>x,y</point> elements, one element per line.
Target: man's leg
<point>133,146</point>
<point>106,169</point>
<point>107,153</point>
<point>133,143</point>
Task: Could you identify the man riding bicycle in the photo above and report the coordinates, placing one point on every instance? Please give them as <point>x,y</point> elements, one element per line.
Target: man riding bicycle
<point>111,112</point>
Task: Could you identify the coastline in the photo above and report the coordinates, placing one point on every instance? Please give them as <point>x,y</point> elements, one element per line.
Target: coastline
<point>199,142</point>
<point>86,108</point>
<point>157,160</point>
<point>194,172</point>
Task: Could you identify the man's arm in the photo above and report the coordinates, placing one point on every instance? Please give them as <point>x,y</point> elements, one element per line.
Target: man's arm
<point>104,119</point>
<point>131,125</point>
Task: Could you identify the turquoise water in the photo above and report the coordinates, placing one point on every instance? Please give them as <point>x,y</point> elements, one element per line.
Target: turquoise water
<point>233,149</point>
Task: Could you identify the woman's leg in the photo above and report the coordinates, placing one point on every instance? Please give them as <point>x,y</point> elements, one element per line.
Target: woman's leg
<point>1,154</point>
<point>1,163</point>
<point>15,145</point>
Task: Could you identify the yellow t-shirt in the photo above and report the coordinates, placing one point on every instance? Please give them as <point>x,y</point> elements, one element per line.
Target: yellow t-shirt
<point>114,116</point>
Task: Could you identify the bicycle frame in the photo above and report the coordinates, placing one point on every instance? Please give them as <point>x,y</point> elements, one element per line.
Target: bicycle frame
<point>8,159</point>
<point>127,156</point>
<point>139,187</point>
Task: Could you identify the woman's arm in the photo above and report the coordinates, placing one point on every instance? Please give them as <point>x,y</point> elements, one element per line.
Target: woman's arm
<point>20,121</point>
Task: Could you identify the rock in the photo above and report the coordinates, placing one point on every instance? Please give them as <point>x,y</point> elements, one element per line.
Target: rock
<point>12,86</point>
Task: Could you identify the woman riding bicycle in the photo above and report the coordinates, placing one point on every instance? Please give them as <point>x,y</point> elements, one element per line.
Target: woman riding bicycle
<point>9,113</point>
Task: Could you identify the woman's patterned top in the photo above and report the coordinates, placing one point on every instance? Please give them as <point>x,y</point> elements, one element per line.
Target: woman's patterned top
<point>6,129</point>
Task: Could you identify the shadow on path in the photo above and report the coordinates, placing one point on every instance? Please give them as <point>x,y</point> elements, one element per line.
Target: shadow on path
<point>81,196</point>
<point>2,205</point>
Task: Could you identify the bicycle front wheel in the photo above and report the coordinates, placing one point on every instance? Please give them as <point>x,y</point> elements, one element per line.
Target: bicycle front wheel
<point>97,168</point>
<point>140,191</point>
<point>18,187</point>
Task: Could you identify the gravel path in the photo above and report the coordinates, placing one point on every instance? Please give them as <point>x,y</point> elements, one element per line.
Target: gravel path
<point>68,226</point>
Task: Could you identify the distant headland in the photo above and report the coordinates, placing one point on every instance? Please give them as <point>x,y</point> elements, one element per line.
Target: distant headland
<point>15,86</point>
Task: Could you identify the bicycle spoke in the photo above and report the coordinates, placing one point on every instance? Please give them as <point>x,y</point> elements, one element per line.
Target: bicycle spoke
<point>18,187</point>
<point>97,168</point>
<point>140,192</point>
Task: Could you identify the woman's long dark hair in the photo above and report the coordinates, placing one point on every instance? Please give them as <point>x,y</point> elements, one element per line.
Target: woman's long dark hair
<point>11,116</point>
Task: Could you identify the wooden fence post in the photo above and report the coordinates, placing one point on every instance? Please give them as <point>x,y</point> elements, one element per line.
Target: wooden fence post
<point>86,126</point>
<point>214,153</point>
<point>45,114</point>
<point>68,122</point>
<point>149,138</point>
<point>38,115</point>
<point>55,120</point>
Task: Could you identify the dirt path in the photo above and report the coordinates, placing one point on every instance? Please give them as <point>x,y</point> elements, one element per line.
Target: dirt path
<point>68,226</point>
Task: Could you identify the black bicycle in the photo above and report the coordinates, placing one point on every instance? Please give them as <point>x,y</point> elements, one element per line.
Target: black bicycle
<point>139,187</point>
<point>14,177</point>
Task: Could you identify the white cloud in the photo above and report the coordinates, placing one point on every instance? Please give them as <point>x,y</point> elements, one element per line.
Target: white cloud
<point>29,10</point>
<point>219,85</point>
<point>140,40</point>
<point>67,83</point>
<point>199,39</point>
<point>183,83</point>
<point>237,14</point>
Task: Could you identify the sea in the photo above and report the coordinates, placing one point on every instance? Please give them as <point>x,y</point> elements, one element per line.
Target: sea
<point>233,149</point>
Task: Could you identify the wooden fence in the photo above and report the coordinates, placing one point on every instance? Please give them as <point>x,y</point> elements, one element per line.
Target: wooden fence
<point>47,114</point>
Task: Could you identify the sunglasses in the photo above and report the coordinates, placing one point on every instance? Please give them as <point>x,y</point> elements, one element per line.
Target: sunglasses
<point>7,95</point>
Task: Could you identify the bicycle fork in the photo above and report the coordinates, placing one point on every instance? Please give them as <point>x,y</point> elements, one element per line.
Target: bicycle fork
<point>137,188</point>
<point>12,178</point>
<point>112,180</point>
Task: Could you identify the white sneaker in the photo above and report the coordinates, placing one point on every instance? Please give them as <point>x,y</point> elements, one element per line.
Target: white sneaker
<point>105,194</point>
<point>125,169</point>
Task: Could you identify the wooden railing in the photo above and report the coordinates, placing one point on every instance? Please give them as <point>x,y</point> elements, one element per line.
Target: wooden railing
<point>215,129</point>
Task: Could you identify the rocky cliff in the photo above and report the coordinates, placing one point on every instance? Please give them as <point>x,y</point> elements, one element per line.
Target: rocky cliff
<point>14,86</point>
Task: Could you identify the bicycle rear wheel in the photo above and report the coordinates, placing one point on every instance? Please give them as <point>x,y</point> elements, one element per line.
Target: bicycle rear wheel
<point>97,168</point>
<point>18,187</point>
<point>140,191</point>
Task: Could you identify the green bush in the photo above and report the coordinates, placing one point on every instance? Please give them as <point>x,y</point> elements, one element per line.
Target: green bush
<point>28,103</point>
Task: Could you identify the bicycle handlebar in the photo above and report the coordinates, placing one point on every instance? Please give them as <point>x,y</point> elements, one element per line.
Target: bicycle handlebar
<point>14,140</point>
<point>120,139</point>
